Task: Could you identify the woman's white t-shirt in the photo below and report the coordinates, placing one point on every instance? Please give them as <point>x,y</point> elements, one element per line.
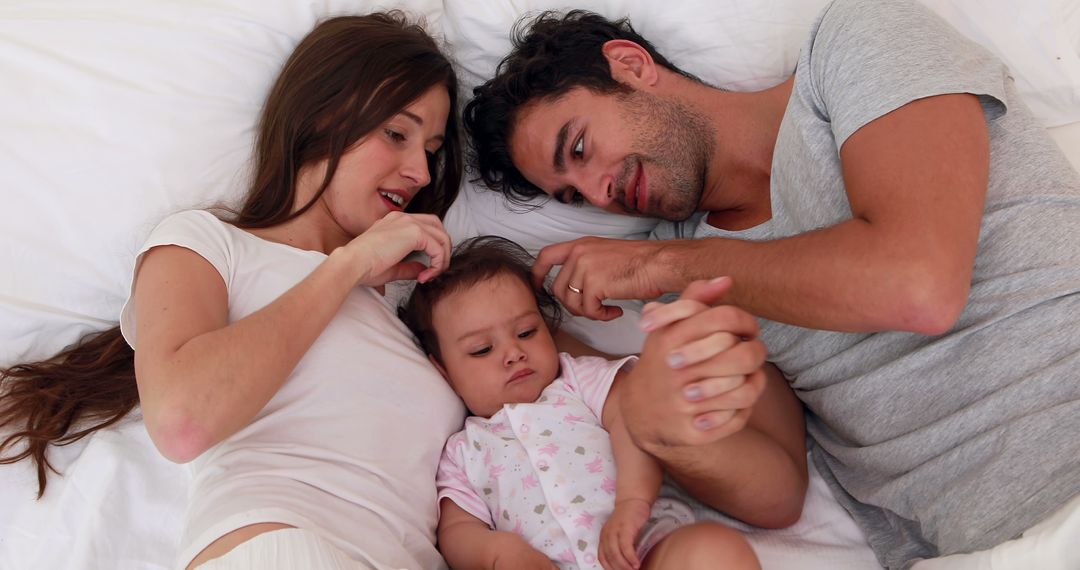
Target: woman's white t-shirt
<point>349,445</point>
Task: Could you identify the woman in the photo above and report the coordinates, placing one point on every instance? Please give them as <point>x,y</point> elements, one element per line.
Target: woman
<point>264,351</point>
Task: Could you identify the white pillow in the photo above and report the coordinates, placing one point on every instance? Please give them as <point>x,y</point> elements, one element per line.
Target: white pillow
<point>116,113</point>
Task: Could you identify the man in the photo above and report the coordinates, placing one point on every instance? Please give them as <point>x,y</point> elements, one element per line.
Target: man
<point>909,236</point>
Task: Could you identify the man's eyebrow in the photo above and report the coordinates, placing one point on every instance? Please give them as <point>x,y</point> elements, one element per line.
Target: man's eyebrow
<point>560,144</point>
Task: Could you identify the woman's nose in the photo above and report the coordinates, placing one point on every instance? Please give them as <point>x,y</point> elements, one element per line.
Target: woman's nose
<point>415,168</point>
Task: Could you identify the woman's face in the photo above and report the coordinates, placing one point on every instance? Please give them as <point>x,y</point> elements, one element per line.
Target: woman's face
<point>385,169</point>
<point>496,348</point>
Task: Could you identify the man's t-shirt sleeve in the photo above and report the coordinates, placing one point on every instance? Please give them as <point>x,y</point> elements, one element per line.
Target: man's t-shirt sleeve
<point>870,57</point>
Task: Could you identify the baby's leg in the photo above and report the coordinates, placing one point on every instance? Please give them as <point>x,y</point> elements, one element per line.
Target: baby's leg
<point>702,546</point>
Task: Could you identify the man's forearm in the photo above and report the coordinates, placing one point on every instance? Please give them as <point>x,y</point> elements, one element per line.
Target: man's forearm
<point>848,277</point>
<point>747,476</point>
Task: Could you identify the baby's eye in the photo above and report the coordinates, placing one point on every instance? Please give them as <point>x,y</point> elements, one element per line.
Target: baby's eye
<point>480,351</point>
<point>579,148</point>
<point>527,333</point>
<point>394,135</point>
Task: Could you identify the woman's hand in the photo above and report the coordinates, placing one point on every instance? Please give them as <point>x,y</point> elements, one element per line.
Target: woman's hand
<point>380,250</point>
<point>618,537</point>
<point>699,373</point>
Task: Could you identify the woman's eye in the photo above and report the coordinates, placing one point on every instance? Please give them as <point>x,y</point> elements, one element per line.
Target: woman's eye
<point>527,333</point>
<point>394,135</point>
<point>576,198</point>
<point>579,148</point>
<point>480,352</point>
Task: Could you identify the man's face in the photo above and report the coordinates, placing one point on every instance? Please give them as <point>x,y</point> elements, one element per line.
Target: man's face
<point>631,152</point>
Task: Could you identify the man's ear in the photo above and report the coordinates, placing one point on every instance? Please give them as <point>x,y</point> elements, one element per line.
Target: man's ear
<point>630,63</point>
<point>438,366</point>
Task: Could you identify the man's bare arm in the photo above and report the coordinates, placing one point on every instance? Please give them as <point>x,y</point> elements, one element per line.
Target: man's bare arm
<point>916,179</point>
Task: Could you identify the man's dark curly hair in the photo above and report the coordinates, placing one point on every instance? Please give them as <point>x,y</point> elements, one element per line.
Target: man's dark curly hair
<point>552,54</point>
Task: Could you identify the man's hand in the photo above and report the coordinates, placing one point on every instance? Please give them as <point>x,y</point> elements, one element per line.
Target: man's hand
<point>699,372</point>
<point>597,269</point>
<point>618,537</point>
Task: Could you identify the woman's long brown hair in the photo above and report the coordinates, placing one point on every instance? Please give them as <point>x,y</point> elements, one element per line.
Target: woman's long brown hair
<point>346,78</point>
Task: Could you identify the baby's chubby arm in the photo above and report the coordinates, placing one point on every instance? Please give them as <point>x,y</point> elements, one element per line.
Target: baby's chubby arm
<point>467,543</point>
<point>638,476</point>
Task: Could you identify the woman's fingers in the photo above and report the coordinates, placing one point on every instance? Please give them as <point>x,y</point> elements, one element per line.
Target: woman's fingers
<point>435,242</point>
<point>701,349</point>
<point>712,387</point>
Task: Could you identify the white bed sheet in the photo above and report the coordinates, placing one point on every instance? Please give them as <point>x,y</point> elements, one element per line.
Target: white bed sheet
<point>120,506</point>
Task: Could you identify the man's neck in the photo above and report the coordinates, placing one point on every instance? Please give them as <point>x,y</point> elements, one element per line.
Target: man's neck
<point>736,192</point>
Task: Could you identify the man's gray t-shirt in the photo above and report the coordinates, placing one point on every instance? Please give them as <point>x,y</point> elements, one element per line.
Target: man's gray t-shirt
<point>949,443</point>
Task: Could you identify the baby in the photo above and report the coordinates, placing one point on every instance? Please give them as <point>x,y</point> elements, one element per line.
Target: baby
<point>544,474</point>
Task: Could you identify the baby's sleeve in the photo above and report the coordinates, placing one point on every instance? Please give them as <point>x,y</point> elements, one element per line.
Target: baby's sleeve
<point>592,377</point>
<point>453,479</point>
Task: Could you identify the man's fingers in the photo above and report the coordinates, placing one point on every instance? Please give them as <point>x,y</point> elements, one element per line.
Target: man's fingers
<point>744,358</point>
<point>593,306</point>
<point>549,257</point>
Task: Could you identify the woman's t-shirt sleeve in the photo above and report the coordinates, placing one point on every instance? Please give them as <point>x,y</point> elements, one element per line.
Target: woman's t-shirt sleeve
<point>196,230</point>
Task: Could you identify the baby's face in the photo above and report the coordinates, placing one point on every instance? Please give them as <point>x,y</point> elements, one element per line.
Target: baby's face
<point>496,348</point>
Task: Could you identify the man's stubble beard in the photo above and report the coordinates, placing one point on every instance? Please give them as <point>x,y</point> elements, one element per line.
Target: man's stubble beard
<point>678,142</point>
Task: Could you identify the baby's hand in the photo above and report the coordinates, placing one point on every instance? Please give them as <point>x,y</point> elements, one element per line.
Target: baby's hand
<point>620,532</point>
<point>519,554</point>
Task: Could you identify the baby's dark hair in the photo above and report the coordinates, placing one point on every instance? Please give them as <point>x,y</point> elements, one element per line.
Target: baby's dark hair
<point>473,261</point>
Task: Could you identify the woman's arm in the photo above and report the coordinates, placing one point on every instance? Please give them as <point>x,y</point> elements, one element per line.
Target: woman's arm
<point>202,378</point>
<point>467,543</point>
